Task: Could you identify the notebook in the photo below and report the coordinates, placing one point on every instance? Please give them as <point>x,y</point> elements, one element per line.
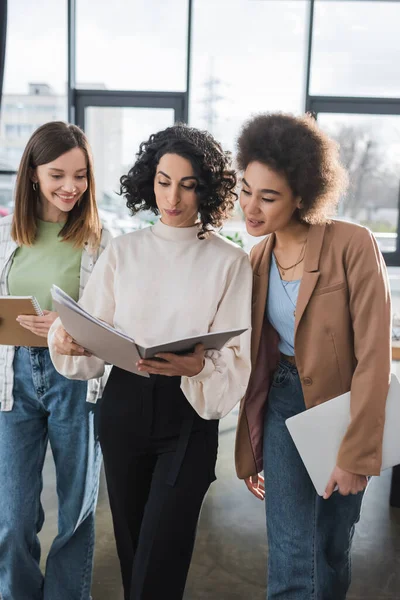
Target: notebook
<point>11,332</point>
<point>118,349</point>
<point>319,431</point>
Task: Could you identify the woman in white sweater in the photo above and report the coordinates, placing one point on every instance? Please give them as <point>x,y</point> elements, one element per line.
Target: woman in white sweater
<point>178,278</point>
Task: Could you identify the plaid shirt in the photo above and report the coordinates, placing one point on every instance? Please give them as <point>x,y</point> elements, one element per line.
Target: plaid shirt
<point>7,251</point>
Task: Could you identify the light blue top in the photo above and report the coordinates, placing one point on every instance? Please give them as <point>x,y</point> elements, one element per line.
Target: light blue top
<point>281,306</point>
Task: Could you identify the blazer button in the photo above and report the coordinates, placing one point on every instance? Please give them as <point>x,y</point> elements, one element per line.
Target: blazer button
<point>307,381</point>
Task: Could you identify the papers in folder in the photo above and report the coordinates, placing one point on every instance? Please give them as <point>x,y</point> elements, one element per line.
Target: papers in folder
<point>319,431</point>
<point>116,348</point>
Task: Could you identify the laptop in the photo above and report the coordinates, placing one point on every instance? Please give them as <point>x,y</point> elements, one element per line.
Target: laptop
<point>319,431</point>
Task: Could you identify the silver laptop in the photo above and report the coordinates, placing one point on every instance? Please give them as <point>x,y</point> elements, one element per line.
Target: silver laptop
<point>319,431</point>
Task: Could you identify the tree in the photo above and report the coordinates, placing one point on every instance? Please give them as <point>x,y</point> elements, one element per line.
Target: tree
<point>373,182</point>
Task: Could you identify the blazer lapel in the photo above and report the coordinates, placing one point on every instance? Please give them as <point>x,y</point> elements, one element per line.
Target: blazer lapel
<point>311,270</point>
<point>260,292</point>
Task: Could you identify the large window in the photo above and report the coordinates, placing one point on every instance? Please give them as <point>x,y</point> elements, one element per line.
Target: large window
<point>35,79</point>
<point>370,150</point>
<point>354,90</point>
<point>247,56</point>
<point>138,45</point>
<point>126,69</point>
<point>355,48</point>
<point>115,135</point>
<point>131,79</point>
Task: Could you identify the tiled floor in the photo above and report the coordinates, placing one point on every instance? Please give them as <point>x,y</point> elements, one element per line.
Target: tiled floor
<point>230,555</point>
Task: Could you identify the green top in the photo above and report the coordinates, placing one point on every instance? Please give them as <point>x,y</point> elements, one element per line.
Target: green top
<point>50,260</point>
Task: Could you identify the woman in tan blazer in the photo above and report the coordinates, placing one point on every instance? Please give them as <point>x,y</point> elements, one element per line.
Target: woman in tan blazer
<point>321,327</point>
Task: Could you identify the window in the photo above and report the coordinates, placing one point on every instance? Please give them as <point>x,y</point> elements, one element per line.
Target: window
<point>115,134</point>
<point>370,150</point>
<point>247,57</point>
<point>35,74</point>
<point>7,183</point>
<point>355,45</point>
<point>19,130</point>
<point>137,45</point>
<point>41,29</point>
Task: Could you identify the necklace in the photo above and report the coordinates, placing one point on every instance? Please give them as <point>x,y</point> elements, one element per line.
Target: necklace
<point>299,260</point>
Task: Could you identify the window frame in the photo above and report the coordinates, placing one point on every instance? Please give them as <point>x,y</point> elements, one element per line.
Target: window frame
<point>350,105</point>
<point>78,99</point>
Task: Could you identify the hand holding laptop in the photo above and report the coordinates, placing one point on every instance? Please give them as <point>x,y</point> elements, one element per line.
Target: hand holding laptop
<point>345,483</point>
<point>318,433</point>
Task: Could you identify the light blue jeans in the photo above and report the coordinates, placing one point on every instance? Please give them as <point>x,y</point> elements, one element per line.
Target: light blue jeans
<point>47,407</point>
<point>309,539</point>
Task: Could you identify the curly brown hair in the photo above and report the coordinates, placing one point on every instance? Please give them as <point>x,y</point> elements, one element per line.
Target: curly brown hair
<point>296,148</point>
<point>216,182</point>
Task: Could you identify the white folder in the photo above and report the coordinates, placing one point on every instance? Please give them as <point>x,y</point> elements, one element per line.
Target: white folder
<point>115,347</point>
<point>318,433</point>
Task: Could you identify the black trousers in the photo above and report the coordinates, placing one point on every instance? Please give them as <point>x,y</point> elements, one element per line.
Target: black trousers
<point>159,459</point>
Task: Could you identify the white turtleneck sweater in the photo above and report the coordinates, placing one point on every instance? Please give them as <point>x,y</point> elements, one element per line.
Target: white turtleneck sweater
<point>162,283</point>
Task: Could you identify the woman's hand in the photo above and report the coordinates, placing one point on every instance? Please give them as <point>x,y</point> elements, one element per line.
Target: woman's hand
<point>175,365</point>
<point>255,484</point>
<point>346,483</point>
<point>65,345</point>
<point>38,325</point>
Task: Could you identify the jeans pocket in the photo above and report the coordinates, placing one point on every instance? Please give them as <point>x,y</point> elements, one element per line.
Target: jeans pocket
<point>281,377</point>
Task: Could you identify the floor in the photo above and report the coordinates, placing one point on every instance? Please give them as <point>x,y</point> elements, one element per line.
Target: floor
<point>230,554</point>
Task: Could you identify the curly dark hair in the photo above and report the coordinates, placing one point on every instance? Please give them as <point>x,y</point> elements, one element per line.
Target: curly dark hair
<point>216,182</point>
<point>296,148</point>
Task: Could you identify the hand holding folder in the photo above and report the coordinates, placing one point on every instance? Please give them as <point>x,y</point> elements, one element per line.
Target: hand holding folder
<point>11,332</point>
<point>118,349</point>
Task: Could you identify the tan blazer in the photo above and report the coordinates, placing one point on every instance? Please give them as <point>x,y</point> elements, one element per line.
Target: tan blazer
<point>342,342</point>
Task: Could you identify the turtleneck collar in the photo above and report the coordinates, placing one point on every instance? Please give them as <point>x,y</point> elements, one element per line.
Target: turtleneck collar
<point>174,234</point>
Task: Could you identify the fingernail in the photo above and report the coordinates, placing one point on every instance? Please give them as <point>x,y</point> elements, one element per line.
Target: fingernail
<point>325,496</point>
<point>17,319</point>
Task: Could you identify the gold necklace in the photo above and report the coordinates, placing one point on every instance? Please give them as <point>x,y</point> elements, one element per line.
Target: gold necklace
<point>299,260</point>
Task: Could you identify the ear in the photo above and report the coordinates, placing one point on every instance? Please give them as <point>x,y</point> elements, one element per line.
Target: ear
<point>299,202</point>
<point>32,175</point>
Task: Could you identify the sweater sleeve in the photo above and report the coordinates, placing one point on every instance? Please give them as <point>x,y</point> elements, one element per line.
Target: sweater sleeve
<point>223,381</point>
<point>98,300</point>
<point>369,300</point>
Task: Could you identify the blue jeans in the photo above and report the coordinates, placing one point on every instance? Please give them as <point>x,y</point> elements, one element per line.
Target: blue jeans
<point>47,407</point>
<point>309,539</point>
